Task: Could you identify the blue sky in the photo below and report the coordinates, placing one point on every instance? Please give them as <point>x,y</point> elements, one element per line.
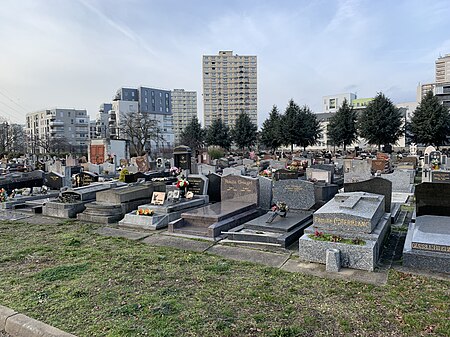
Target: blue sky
<point>77,53</point>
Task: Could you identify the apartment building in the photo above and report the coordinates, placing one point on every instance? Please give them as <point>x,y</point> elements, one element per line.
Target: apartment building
<point>229,87</point>
<point>184,108</point>
<point>57,129</point>
<point>443,69</point>
<point>441,86</point>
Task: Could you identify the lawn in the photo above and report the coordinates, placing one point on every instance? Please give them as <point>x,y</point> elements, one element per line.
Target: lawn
<point>89,285</point>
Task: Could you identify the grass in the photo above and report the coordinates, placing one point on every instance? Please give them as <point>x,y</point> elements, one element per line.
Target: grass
<point>91,286</point>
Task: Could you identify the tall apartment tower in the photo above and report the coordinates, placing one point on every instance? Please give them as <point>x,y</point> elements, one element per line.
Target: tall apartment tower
<point>184,108</point>
<point>443,69</point>
<point>229,87</point>
<point>53,127</point>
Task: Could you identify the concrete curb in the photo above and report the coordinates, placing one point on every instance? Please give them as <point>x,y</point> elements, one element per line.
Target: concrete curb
<point>18,325</point>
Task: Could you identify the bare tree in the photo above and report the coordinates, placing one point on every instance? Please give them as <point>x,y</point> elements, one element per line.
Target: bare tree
<point>12,138</point>
<point>140,129</point>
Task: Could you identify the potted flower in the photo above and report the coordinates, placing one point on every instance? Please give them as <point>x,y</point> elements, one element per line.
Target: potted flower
<point>182,185</point>
<point>3,195</point>
<point>174,171</point>
<point>146,212</point>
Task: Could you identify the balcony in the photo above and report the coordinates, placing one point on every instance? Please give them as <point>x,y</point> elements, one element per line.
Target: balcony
<point>56,123</point>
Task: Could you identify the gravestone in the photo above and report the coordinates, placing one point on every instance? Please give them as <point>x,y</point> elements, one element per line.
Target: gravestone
<point>265,193</point>
<point>359,171</point>
<point>357,224</point>
<point>432,199</point>
<point>283,174</point>
<point>85,179</point>
<point>326,167</point>
<point>142,163</point>
<point>233,171</point>
<point>214,187</point>
<point>375,185</point>
<point>318,175</point>
<point>277,164</point>
<point>54,180</point>
<point>298,194</point>
<point>206,169</point>
<point>240,188</point>
<point>198,184</point>
<point>402,181</point>
<point>93,168</point>
<point>438,176</point>
<point>182,157</point>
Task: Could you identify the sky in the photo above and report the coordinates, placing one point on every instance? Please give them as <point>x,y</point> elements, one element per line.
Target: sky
<point>77,53</point>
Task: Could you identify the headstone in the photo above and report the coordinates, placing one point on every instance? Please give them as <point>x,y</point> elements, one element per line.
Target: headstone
<point>198,184</point>
<point>402,181</point>
<point>240,188</point>
<point>318,175</point>
<point>265,193</point>
<point>85,179</point>
<point>206,169</point>
<point>283,174</point>
<point>432,199</point>
<point>375,185</point>
<point>297,194</point>
<point>438,176</point>
<point>214,187</point>
<point>93,168</point>
<point>54,180</point>
<point>182,157</point>
<point>232,171</point>
<point>359,171</point>
<point>67,177</point>
<point>142,164</point>
<point>277,164</point>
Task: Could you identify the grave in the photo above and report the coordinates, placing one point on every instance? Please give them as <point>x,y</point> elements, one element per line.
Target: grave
<point>182,157</point>
<point>299,193</point>
<point>239,197</point>
<point>314,174</point>
<point>356,170</point>
<point>111,206</point>
<point>85,179</point>
<point>54,180</point>
<point>402,181</point>
<point>72,201</point>
<point>283,174</point>
<point>18,180</point>
<point>214,187</point>
<point>427,244</point>
<point>354,223</point>
<point>198,184</point>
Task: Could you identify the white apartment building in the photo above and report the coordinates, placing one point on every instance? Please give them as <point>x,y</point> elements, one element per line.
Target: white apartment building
<point>48,129</point>
<point>332,103</point>
<point>184,108</point>
<point>229,87</point>
<point>443,69</point>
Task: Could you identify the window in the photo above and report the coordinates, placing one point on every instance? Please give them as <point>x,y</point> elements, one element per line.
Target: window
<point>332,103</point>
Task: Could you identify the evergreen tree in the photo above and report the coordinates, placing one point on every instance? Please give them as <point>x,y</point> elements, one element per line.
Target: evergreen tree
<point>381,122</point>
<point>430,123</point>
<point>244,132</point>
<point>310,129</point>
<point>290,125</point>
<point>270,134</point>
<point>193,135</point>
<point>218,134</point>
<point>342,129</point>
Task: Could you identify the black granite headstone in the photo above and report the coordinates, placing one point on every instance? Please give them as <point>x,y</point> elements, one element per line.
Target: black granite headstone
<point>54,180</point>
<point>214,187</point>
<point>375,185</point>
<point>432,199</point>
<point>182,157</point>
<point>85,179</point>
<point>440,176</point>
<point>196,185</point>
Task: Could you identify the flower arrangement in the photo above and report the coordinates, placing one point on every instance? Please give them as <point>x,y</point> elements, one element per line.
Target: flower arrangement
<point>320,236</point>
<point>3,195</point>
<point>435,164</point>
<point>280,208</point>
<point>266,173</point>
<point>175,170</point>
<point>182,183</point>
<point>146,212</point>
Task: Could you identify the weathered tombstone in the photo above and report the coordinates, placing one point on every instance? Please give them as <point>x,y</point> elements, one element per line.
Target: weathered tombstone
<point>283,174</point>
<point>375,185</point>
<point>182,157</point>
<point>357,224</point>
<point>299,193</point>
<point>214,187</point>
<point>198,184</point>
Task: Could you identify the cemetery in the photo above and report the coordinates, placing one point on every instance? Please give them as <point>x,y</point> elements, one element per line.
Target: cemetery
<point>333,219</point>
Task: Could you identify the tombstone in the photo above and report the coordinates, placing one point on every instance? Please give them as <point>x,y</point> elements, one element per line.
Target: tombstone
<point>67,177</point>
<point>240,188</point>
<point>359,171</point>
<point>432,199</point>
<point>198,184</point>
<point>182,157</point>
<point>214,187</point>
<point>375,185</point>
<point>206,169</point>
<point>222,163</point>
<point>318,175</point>
<point>40,166</point>
<point>85,179</point>
<point>299,193</point>
<point>265,193</point>
<point>142,163</point>
<point>70,161</point>
<point>381,165</point>
<point>277,164</point>
<point>93,168</point>
<point>413,149</point>
<point>357,224</point>
<point>54,180</point>
<point>402,181</point>
<point>108,168</point>
<point>326,167</point>
<point>283,174</point>
<point>232,171</point>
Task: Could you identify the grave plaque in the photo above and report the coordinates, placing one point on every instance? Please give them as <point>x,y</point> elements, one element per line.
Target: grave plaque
<point>182,157</point>
<point>54,180</point>
<point>142,164</point>
<point>283,174</point>
<point>158,198</point>
<point>85,179</point>
<point>440,176</point>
